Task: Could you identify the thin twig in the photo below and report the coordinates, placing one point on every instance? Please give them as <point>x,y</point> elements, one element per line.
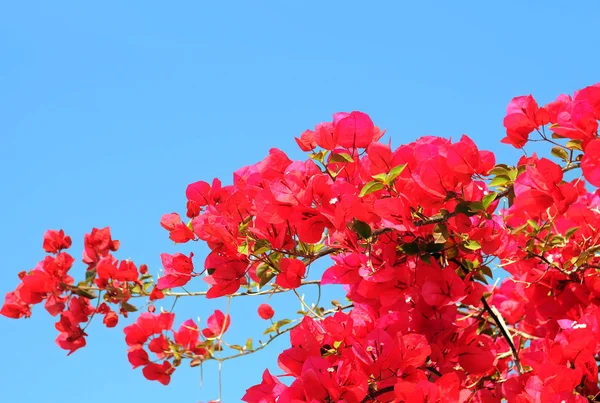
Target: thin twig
<point>242,294</point>
<point>306,305</point>
<point>475,312</point>
<point>493,312</point>
<point>379,392</point>
<point>265,344</point>
<point>93,313</point>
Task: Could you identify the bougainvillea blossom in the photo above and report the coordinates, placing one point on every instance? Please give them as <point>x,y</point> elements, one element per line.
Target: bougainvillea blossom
<point>415,234</point>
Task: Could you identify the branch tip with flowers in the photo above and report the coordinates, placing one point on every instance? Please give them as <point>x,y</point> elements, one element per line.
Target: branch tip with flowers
<point>412,233</point>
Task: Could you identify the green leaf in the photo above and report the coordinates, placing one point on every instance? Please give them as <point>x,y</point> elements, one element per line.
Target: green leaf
<point>264,280</point>
<point>248,344</point>
<point>500,170</point>
<point>243,249</point>
<point>451,252</point>
<point>476,206</point>
<point>394,172</point>
<point>243,227</point>
<point>261,246</point>
<point>488,199</point>
<point>380,177</point>
<point>326,352</point>
<point>277,325</point>
<point>433,247</point>
<point>469,264</point>
<point>561,153</point>
<point>574,145</point>
<point>362,229</point>
<point>487,271</point>
<point>261,269</point>
<point>85,293</point>
<point>266,275</point>
<point>128,307</point>
<point>480,277</point>
<point>472,245</point>
<point>440,233</point>
<point>533,224</point>
<point>90,275</point>
<point>557,240</point>
<point>463,208</point>
<point>341,157</point>
<point>320,156</point>
<point>410,249</point>
<point>500,180</point>
<point>570,232</point>
<point>147,287</point>
<point>370,187</point>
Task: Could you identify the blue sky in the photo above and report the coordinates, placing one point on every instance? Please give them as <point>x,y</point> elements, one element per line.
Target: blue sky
<point>108,111</point>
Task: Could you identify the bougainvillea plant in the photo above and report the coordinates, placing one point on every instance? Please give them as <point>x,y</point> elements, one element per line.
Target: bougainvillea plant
<point>412,233</point>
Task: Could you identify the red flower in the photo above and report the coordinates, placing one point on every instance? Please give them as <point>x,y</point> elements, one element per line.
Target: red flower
<point>268,391</point>
<point>159,345</point>
<point>218,323</point>
<point>71,336</point>
<point>199,192</point>
<point>265,311</point>
<point>159,372</point>
<point>147,325</point>
<point>14,307</point>
<point>55,241</point>
<point>178,270</point>
<point>138,357</point>
<point>354,130</point>
<point>448,289</point>
<point>291,273</point>
<point>178,231</point>
<point>413,233</point>
<point>111,319</point>
<point>477,357</point>
<point>156,294</point>
<point>306,142</point>
<point>97,244</point>
<point>188,334</point>
<point>108,268</point>
<point>523,115</point>
<point>590,164</point>
<point>576,119</point>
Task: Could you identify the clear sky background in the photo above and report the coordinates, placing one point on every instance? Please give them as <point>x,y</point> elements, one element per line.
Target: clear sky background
<point>109,109</point>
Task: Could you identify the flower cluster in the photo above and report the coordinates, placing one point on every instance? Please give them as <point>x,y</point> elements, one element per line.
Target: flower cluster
<point>155,332</point>
<point>413,233</point>
<point>50,282</point>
